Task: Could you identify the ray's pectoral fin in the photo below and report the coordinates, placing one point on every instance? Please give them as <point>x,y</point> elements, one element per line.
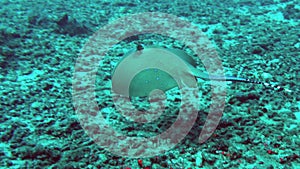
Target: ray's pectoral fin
<point>197,73</point>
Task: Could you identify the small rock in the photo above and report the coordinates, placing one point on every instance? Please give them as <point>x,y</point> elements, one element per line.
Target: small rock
<point>199,159</point>
<point>36,105</point>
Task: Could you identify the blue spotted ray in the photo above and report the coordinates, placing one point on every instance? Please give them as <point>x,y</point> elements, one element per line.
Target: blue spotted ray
<point>125,81</point>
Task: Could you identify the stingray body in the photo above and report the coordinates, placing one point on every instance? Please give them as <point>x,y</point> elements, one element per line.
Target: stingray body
<point>142,71</point>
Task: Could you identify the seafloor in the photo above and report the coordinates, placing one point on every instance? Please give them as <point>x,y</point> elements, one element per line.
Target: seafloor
<point>41,41</point>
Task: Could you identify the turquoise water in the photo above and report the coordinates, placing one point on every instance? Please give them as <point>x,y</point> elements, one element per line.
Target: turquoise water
<point>54,54</point>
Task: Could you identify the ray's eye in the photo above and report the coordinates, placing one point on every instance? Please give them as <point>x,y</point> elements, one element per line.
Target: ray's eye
<point>139,47</point>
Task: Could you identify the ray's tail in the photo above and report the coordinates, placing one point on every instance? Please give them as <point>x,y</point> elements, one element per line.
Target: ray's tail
<point>202,75</point>
<point>246,80</point>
